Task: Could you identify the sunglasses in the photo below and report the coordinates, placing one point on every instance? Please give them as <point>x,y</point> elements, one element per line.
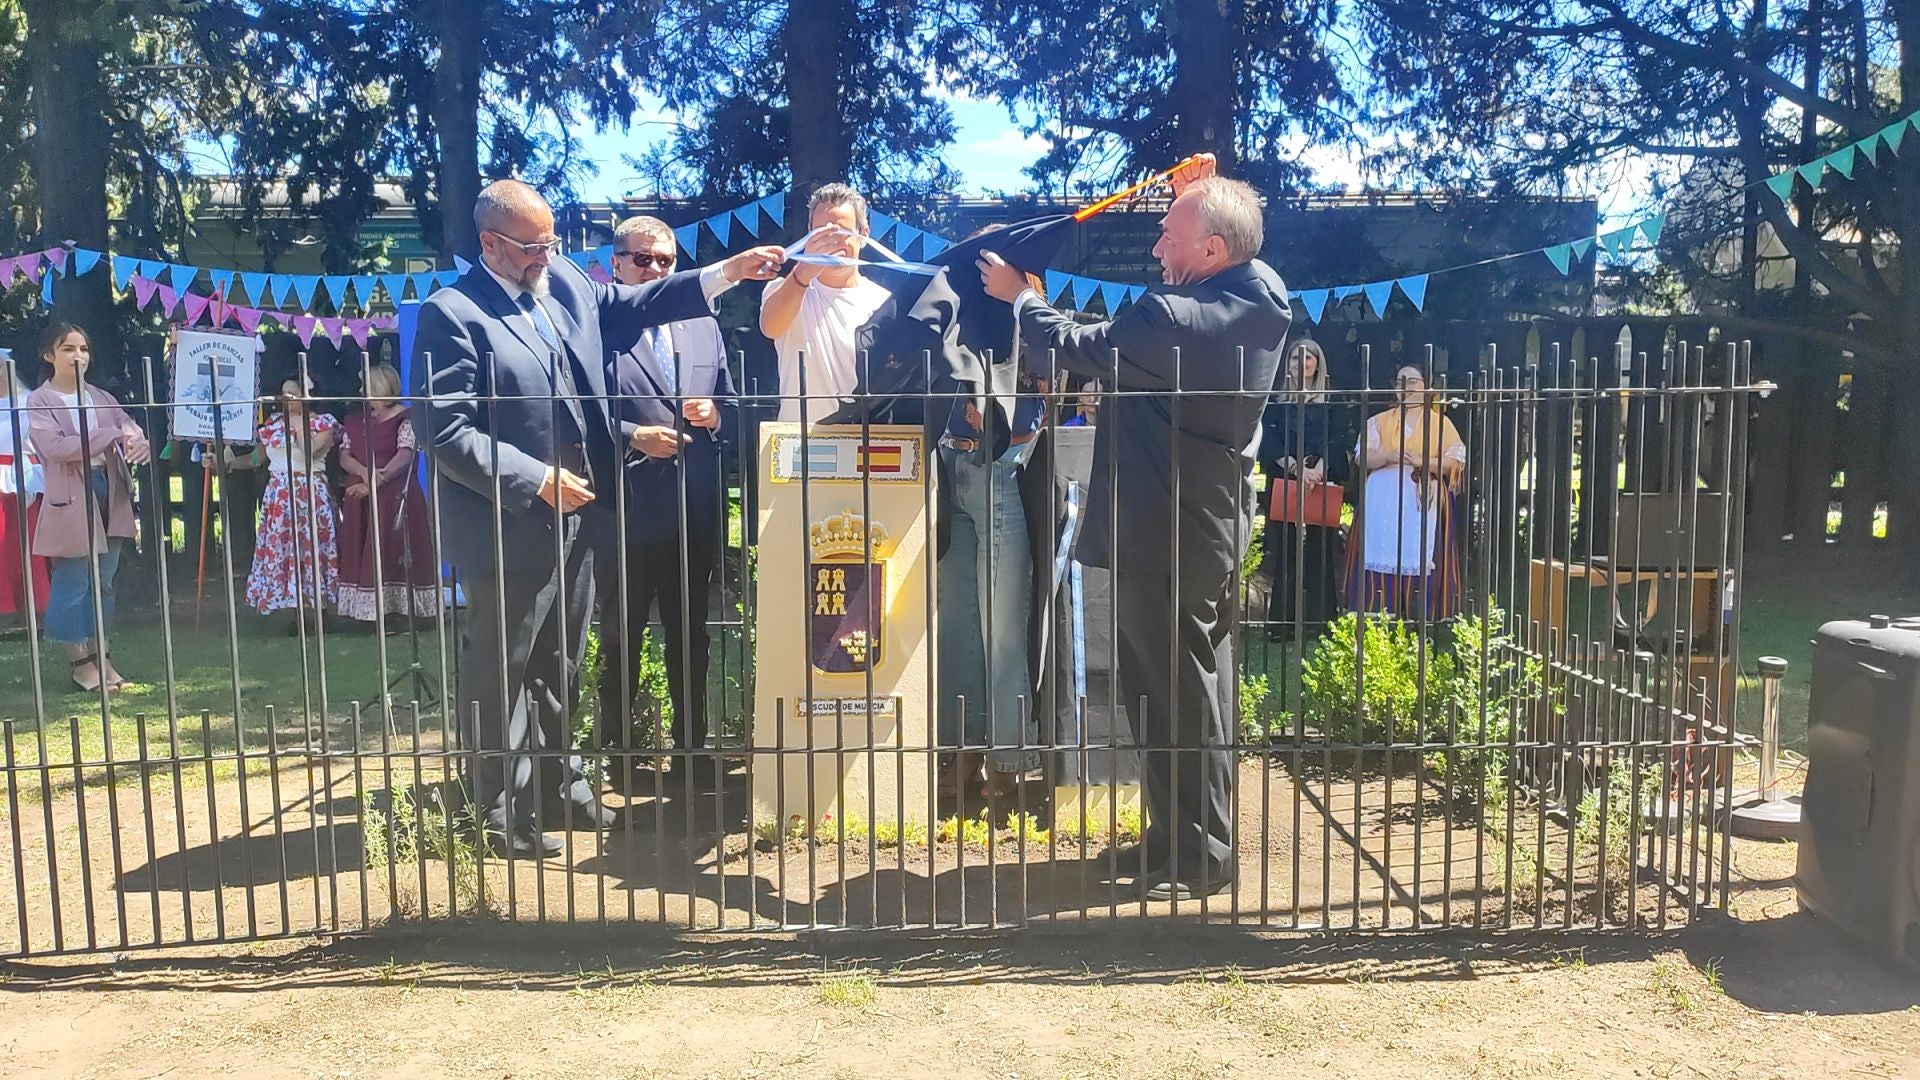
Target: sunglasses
<point>549,248</point>
<point>644,259</point>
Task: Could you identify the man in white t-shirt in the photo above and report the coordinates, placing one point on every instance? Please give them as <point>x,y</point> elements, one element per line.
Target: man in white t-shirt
<point>813,313</point>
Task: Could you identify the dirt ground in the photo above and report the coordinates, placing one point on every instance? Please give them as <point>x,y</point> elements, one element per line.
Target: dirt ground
<point>1766,992</point>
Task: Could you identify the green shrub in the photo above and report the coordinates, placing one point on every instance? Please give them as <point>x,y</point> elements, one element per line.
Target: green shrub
<point>1363,685</point>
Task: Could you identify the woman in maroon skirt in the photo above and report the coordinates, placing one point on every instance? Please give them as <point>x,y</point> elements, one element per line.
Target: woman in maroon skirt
<point>19,502</point>
<point>377,451</point>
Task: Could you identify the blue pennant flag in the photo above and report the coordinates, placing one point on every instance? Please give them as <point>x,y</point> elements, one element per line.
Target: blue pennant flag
<point>1581,247</point>
<point>460,266</point>
<point>255,288</point>
<point>1893,133</point>
<point>1112,294</point>
<point>749,218</point>
<point>1869,148</point>
<point>1378,293</point>
<point>1781,186</point>
<point>1560,255</point>
<point>722,226</point>
<point>222,283</point>
<point>1086,288</point>
<point>604,256</point>
<point>1650,228</point>
<point>879,224</point>
<point>303,288</point>
<point>448,277</point>
<point>46,286</point>
<point>579,258</point>
<point>84,259</point>
<point>1810,172</point>
<point>1341,292</point>
<point>688,237</point>
<point>1841,161</point>
<point>336,289</point>
<point>1618,241</point>
<point>363,286</point>
<point>422,284</point>
<point>931,245</point>
<point>180,277</point>
<point>1056,283</point>
<point>123,269</point>
<point>1313,302</point>
<point>151,269</point>
<point>903,237</point>
<point>396,286</point>
<point>1137,292</point>
<point>775,207</point>
<point>282,286</point>
<point>1414,288</point>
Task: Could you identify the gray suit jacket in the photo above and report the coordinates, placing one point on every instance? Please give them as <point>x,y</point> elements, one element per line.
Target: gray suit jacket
<point>1218,342</point>
<point>473,344</point>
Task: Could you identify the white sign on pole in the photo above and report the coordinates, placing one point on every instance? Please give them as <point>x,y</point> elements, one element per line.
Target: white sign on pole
<point>213,373</point>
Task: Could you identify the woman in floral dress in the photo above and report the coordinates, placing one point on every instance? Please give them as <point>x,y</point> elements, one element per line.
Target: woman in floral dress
<point>294,557</point>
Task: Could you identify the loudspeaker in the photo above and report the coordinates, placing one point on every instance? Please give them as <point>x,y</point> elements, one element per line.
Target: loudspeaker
<point>1859,863</point>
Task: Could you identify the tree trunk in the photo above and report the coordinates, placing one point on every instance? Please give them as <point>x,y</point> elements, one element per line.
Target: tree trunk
<point>817,144</point>
<point>71,146</point>
<point>456,120</point>
<point>1207,35</point>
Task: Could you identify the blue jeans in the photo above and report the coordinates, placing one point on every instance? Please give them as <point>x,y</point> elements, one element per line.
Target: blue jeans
<point>69,618</point>
<point>985,659</point>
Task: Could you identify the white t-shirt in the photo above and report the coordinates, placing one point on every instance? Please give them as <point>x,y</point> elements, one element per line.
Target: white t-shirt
<point>823,332</point>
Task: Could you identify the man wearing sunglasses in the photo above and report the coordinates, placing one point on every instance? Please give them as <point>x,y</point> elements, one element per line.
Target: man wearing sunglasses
<point>673,400</point>
<point>516,420</point>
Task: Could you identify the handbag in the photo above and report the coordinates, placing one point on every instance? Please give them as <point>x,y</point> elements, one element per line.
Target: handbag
<point>1320,505</point>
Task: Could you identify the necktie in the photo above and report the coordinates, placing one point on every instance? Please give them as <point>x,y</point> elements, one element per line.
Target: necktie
<point>663,355</point>
<point>542,322</point>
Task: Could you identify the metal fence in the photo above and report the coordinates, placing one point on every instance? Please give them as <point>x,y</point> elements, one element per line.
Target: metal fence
<point>1543,739</point>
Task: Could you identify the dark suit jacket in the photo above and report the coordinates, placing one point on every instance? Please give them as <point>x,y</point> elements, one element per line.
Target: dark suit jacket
<point>473,343</point>
<point>641,399</point>
<point>1147,437</point>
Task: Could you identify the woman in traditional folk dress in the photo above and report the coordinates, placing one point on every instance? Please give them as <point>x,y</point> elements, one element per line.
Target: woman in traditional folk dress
<point>1407,560</point>
<point>386,553</point>
<point>19,501</point>
<point>294,556</point>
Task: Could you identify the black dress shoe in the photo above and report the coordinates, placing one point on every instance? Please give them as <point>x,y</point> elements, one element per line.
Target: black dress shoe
<point>1163,886</point>
<point>523,844</point>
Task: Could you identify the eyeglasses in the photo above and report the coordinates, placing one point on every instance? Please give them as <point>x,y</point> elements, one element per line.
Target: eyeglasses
<point>644,259</point>
<point>549,248</point>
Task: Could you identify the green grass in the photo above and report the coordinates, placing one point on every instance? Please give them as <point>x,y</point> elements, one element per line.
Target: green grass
<point>205,689</point>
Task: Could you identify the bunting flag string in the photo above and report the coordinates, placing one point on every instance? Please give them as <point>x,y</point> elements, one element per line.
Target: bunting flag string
<point>172,283</point>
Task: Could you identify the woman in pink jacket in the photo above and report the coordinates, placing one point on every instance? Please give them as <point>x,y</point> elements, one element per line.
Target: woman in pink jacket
<point>87,445</point>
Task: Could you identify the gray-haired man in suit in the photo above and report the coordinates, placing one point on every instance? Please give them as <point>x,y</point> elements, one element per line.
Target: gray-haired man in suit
<point>1192,362</point>
<point>516,421</point>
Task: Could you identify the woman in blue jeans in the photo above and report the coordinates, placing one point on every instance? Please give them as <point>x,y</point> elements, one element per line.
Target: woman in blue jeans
<point>985,599</point>
<point>87,444</point>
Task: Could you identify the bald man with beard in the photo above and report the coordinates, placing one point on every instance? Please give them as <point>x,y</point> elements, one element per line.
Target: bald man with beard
<point>515,419</point>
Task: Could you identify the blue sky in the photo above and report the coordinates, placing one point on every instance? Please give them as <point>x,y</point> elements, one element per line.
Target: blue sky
<point>988,150</point>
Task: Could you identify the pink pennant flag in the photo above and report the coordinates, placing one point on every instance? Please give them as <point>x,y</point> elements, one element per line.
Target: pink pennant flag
<point>56,257</point>
<point>281,317</point>
<point>195,306</point>
<point>30,268</point>
<point>143,291</point>
<point>303,326</point>
<point>168,298</point>
<point>6,271</point>
<point>333,330</point>
<point>385,322</point>
<point>359,329</point>
<point>248,318</point>
<point>599,274</point>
